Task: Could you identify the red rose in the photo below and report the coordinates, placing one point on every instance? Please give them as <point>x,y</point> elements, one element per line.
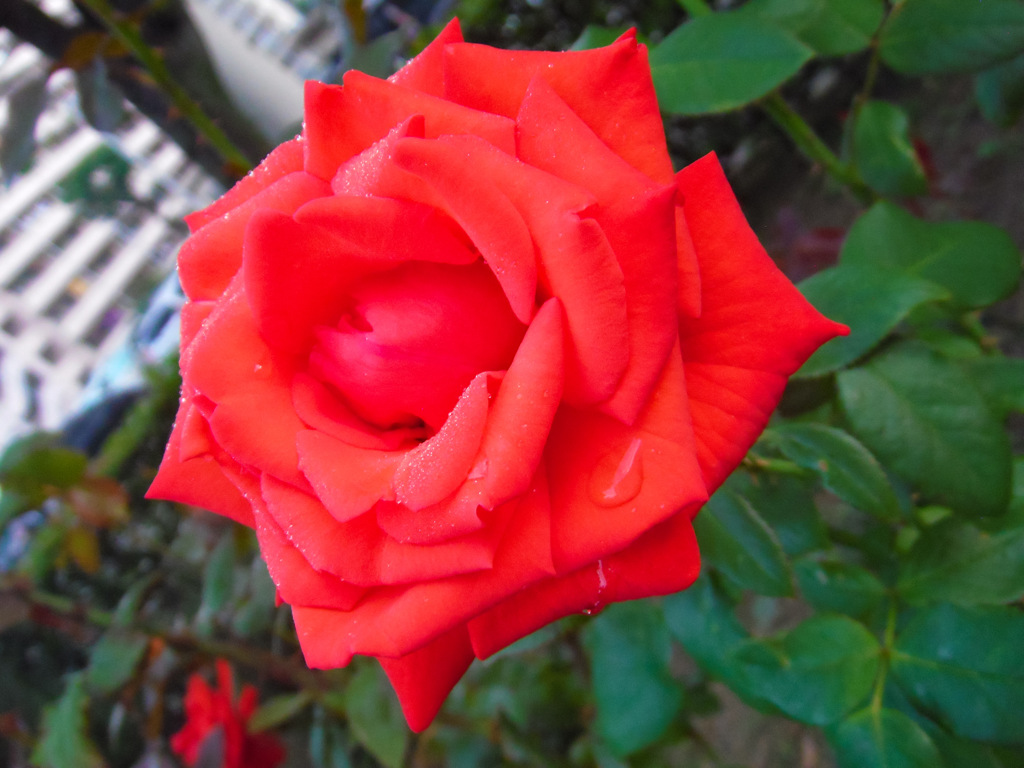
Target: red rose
<point>212,713</point>
<point>469,356</point>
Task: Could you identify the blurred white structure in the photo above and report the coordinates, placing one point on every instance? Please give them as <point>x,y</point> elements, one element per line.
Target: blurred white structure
<point>72,283</point>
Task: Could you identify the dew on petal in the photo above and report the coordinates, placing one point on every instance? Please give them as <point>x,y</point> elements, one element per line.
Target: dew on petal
<point>617,478</point>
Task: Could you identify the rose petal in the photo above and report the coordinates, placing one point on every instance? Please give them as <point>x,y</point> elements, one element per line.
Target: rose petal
<point>343,121</point>
<point>437,467</point>
<point>193,315</point>
<point>636,214</point>
<point>481,209</point>
<point>391,231</point>
<point>609,88</point>
<point>754,331</point>
<point>361,173</point>
<point>577,263</point>
<point>426,71</point>
<point>324,412</point>
<point>283,160</point>
<point>199,481</point>
<point>424,678</point>
<point>359,553</point>
<point>689,269</point>
<point>610,484</point>
<point>662,561</point>
<point>413,338</point>
<point>347,480</point>
<point>521,416</point>
<point>231,365</point>
<point>209,259</point>
<point>298,583</point>
<point>395,621</point>
<point>295,278</point>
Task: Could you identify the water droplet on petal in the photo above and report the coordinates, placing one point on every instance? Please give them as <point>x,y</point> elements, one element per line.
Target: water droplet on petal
<point>479,469</point>
<point>617,478</point>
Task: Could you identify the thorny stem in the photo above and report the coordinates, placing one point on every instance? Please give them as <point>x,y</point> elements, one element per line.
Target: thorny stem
<point>126,34</point>
<point>808,142</point>
<point>275,666</point>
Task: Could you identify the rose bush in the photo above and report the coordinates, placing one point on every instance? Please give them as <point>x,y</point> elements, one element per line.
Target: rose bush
<point>213,713</point>
<point>469,356</point>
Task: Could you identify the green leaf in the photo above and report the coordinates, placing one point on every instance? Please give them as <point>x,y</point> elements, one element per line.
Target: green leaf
<point>375,715</point>
<point>957,563</point>
<point>705,623</point>
<point>962,667</point>
<point>637,699</point>
<point>882,738</point>
<point>36,460</point>
<point>870,300</point>
<point>835,586</point>
<point>218,580</point>
<point>830,27</point>
<point>114,658</point>
<point>1001,381</point>
<point>595,36</point>
<point>25,103</point>
<point>884,153</point>
<point>931,36</point>
<point>923,417</point>
<point>961,753</point>
<point>736,541</point>
<point>64,742</point>
<point>846,467</point>
<point>328,742</point>
<point>278,710</point>
<point>722,61</point>
<point>1000,92</point>
<point>817,672</point>
<point>99,99</point>
<point>786,504</point>
<point>977,263</point>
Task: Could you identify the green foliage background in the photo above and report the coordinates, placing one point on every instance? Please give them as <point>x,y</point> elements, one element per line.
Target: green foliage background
<point>864,568</point>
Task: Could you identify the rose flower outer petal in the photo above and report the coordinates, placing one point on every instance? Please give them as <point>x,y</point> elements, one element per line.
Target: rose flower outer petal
<point>394,621</point>
<point>424,678</point>
<point>358,552</point>
<point>297,582</point>
<point>348,480</point>
<point>426,71</point>
<point>611,483</point>
<point>754,331</point>
<point>285,159</point>
<point>229,363</point>
<point>662,561</point>
<point>210,258</point>
<point>342,121</point>
<point>197,481</point>
<point>609,88</point>
<point>638,217</point>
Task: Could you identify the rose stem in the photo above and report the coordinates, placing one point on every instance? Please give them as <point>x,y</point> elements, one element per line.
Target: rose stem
<point>126,34</point>
<point>808,142</point>
<point>275,666</point>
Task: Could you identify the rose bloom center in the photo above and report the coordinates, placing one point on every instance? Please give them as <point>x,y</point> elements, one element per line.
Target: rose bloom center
<point>411,339</point>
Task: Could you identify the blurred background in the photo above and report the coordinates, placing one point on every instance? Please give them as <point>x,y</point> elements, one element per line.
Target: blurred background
<point>108,604</point>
